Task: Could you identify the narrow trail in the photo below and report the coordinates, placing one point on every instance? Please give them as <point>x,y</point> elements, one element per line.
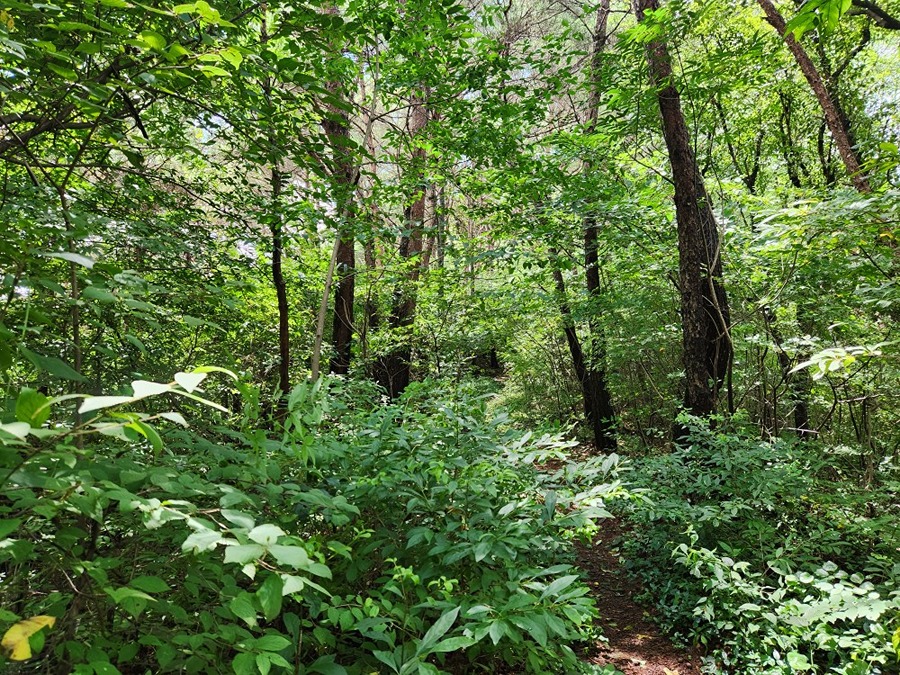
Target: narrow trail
<point>636,646</point>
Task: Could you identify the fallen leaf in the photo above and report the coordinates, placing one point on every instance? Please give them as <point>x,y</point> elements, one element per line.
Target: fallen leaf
<point>666,671</point>
<point>15,640</point>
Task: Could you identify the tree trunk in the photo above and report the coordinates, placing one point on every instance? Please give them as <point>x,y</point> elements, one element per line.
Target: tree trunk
<point>394,369</point>
<point>833,114</point>
<point>572,341</point>
<point>284,343</point>
<point>705,316</point>
<point>343,175</point>
<point>600,415</point>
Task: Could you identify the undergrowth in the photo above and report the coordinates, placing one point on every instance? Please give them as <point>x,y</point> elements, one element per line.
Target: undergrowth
<point>359,537</point>
<point>766,554</point>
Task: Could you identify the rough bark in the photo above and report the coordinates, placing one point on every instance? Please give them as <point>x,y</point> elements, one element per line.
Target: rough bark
<point>833,115</point>
<point>344,177</point>
<point>344,174</point>
<point>881,17</point>
<point>284,334</point>
<point>602,415</point>
<point>591,368</point>
<point>572,341</point>
<point>394,371</point>
<point>705,316</point>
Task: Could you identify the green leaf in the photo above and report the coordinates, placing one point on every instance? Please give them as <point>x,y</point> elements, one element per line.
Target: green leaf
<point>559,585</point>
<point>533,626</point>
<point>123,593</point>
<point>144,388</point>
<point>213,71</point>
<point>437,631</point>
<point>243,553</point>
<point>178,418</point>
<point>271,643</point>
<point>7,527</point>
<point>149,584</point>
<point>76,258</point>
<point>452,644</point>
<point>798,662</point>
<point>238,518</point>
<point>99,294</point>
<point>203,540</point>
<point>270,596</point>
<point>153,40</point>
<point>293,556</point>
<point>266,534</point>
<point>244,664</point>
<point>243,608</point>
<point>31,407</point>
<point>18,429</point>
<point>292,584</point>
<point>92,403</point>
<point>52,365</point>
<point>496,631</point>
<point>149,433</point>
<point>482,549</point>
<point>189,381</point>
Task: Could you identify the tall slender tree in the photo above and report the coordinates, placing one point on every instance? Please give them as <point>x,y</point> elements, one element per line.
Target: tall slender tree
<point>837,121</point>
<point>705,315</point>
<point>394,371</point>
<point>344,174</point>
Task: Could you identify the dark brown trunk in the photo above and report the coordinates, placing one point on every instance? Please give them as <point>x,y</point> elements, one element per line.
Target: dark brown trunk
<point>276,181</point>
<point>602,415</point>
<point>394,371</point>
<point>344,176</point>
<point>598,400</point>
<point>833,114</point>
<point>284,344</point>
<point>572,341</point>
<point>705,317</point>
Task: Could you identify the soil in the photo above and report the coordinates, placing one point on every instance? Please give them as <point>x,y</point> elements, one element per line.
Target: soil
<point>635,644</point>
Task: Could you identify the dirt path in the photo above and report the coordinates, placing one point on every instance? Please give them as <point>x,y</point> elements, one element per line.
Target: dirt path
<point>636,646</point>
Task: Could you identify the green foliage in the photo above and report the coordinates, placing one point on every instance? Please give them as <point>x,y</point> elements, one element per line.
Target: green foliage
<point>782,564</point>
<point>406,537</point>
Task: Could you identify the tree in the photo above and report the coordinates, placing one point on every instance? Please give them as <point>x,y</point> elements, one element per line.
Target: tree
<point>705,316</point>
<point>395,369</point>
<point>835,117</point>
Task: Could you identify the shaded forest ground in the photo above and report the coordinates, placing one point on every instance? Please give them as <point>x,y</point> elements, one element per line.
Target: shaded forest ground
<point>635,644</point>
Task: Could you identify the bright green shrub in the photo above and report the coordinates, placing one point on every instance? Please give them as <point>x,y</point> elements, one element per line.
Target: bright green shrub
<point>357,538</point>
<point>781,564</point>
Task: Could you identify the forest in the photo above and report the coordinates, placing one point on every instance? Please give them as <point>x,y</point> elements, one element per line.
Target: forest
<point>420,337</point>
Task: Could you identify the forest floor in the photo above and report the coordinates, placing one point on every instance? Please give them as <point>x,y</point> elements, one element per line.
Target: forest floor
<point>635,644</point>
